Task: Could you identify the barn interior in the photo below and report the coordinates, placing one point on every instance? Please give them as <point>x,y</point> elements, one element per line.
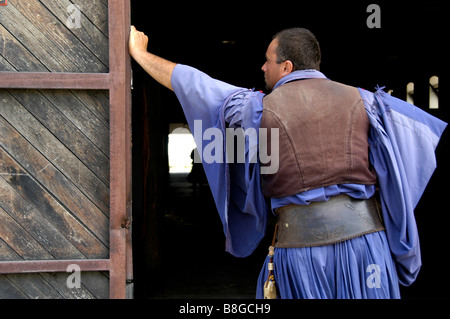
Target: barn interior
<point>178,242</point>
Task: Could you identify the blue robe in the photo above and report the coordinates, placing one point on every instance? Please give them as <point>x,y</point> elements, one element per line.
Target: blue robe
<point>402,138</point>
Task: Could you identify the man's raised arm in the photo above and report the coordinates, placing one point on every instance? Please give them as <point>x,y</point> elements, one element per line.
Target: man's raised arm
<point>158,68</point>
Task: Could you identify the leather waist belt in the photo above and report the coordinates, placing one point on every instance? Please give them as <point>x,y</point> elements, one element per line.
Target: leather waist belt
<point>325,223</point>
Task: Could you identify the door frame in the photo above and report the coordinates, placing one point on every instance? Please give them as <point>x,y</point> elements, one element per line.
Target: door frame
<point>118,82</point>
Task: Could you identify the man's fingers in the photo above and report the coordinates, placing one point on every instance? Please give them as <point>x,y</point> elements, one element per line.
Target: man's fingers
<point>136,33</point>
<point>138,41</point>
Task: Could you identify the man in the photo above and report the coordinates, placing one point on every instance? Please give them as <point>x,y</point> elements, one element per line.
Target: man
<point>336,145</point>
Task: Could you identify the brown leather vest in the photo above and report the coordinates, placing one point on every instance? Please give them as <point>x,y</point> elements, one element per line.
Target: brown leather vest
<point>323,137</point>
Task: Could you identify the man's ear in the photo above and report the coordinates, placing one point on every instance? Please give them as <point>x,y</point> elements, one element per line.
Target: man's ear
<point>288,67</point>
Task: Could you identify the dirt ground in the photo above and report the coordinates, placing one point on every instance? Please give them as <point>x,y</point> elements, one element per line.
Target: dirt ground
<point>195,263</point>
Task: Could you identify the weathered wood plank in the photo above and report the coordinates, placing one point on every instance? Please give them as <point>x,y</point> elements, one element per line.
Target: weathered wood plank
<point>54,181</point>
<point>97,283</point>
<point>8,290</point>
<point>56,214</point>
<point>88,33</point>
<point>19,240</point>
<point>59,282</point>
<point>23,286</point>
<point>17,55</point>
<point>61,37</point>
<point>105,2</point>
<point>96,11</point>
<point>32,39</point>
<point>35,224</point>
<point>48,39</point>
<point>50,108</point>
<point>97,102</point>
<point>94,285</point>
<point>33,286</point>
<point>5,66</point>
<point>6,252</point>
<point>28,285</point>
<point>58,154</point>
<point>83,119</point>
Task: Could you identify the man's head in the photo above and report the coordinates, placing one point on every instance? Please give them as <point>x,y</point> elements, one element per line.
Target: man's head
<point>290,50</point>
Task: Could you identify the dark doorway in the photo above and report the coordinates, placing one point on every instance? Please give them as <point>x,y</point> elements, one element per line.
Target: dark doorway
<point>178,242</point>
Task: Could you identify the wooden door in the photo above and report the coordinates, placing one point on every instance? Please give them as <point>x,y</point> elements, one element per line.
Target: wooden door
<point>65,149</point>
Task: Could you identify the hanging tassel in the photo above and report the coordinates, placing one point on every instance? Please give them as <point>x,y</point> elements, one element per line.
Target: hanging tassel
<point>270,290</point>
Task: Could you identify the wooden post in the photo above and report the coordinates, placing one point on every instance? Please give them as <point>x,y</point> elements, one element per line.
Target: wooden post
<point>120,118</point>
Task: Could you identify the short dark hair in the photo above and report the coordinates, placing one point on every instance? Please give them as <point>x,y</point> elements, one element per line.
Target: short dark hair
<point>299,46</point>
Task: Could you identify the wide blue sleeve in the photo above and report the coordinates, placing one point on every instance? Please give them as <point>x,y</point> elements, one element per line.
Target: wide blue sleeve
<point>403,139</point>
<point>235,186</point>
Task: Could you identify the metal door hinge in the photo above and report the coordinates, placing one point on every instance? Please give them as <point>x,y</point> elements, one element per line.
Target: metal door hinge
<point>127,223</point>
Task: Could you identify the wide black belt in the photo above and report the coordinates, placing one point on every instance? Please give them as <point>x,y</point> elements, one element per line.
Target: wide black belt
<point>325,223</point>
